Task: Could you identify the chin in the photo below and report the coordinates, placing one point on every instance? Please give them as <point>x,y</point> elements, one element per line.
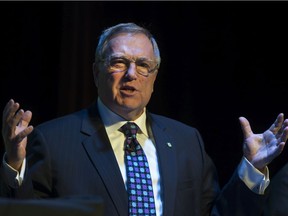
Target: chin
<point>129,107</point>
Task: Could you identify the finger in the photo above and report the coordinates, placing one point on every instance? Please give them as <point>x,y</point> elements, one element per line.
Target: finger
<point>8,106</point>
<point>9,111</point>
<point>285,123</point>
<point>269,137</point>
<point>245,126</point>
<point>16,119</point>
<point>26,118</point>
<point>10,128</point>
<point>8,115</point>
<point>279,149</point>
<point>284,136</point>
<point>277,125</point>
<point>23,134</point>
<point>280,132</point>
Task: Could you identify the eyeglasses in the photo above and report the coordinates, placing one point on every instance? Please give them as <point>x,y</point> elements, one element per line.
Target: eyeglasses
<point>144,66</point>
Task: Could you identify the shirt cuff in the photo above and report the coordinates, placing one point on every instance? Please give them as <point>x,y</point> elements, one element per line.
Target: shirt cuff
<point>252,177</point>
<point>13,177</point>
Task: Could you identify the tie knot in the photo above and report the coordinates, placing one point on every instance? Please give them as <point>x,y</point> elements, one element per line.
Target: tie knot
<point>130,129</point>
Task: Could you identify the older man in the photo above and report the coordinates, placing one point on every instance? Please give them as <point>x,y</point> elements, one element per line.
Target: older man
<point>151,165</point>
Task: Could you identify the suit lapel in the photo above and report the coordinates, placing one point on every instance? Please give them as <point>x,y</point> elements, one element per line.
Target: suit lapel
<point>166,154</point>
<point>101,154</point>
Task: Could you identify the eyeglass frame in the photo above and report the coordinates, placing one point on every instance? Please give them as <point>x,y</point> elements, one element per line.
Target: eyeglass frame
<point>107,62</point>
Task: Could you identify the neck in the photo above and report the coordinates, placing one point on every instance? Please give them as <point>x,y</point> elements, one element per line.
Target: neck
<point>130,115</point>
<point>126,113</point>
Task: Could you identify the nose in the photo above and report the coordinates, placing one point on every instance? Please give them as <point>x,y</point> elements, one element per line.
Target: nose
<point>131,73</point>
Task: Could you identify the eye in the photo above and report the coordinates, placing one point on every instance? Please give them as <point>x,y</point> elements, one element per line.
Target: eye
<point>143,64</point>
<point>118,63</point>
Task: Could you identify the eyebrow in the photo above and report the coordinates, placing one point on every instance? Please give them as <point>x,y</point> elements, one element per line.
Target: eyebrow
<point>128,57</point>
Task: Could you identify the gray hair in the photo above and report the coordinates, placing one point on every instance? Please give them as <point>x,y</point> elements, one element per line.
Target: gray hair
<point>108,33</point>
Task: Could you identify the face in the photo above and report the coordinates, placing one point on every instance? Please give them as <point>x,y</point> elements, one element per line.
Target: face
<point>126,93</point>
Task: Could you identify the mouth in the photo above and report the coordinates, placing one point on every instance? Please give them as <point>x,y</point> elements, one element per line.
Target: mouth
<point>128,89</point>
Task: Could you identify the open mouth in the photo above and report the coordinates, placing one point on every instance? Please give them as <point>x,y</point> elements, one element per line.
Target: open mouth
<point>128,89</point>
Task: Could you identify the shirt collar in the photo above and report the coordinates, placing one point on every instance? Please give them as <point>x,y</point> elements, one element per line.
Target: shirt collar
<point>113,121</point>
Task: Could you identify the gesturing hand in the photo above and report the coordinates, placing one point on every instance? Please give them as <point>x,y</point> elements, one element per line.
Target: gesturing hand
<point>261,149</point>
<point>15,129</point>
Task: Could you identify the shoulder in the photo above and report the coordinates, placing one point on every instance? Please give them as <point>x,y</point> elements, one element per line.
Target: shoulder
<point>184,137</point>
<point>173,126</point>
<point>68,120</point>
<point>169,122</point>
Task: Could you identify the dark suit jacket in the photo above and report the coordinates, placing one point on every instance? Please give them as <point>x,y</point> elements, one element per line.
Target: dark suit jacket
<point>72,155</point>
<point>68,206</point>
<point>277,203</point>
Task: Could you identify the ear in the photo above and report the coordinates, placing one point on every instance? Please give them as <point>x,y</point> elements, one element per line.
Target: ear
<point>95,74</point>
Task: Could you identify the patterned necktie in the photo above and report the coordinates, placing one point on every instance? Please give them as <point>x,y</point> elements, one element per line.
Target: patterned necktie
<point>139,183</point>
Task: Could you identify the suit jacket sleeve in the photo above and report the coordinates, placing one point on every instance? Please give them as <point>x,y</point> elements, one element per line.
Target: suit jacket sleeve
<point>238,200</point>
<point>277,203</point>
<point>37,158</point>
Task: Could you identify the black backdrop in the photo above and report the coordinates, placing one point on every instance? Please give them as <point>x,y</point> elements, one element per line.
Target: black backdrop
<point>220,60</point>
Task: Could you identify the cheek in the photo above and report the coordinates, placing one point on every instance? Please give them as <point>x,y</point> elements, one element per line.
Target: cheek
<point>112,83</point>
<point>151,83</point>
<point>106,85</point>
<point>148,86</point>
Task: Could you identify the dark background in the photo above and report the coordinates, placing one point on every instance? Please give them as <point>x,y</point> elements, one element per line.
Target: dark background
<point>220,60</point>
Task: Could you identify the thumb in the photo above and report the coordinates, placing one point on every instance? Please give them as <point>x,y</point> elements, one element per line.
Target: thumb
<point>245,126</point>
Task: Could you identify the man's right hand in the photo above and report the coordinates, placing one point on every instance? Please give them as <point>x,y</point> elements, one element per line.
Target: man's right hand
<point>15,129</point>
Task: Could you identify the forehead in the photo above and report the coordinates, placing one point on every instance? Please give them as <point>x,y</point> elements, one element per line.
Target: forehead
<point>131,45</point>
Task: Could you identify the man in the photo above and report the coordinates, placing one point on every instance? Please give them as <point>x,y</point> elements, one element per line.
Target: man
<point>82,153</point>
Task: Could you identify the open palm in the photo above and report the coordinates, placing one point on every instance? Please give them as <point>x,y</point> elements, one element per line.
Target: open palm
<point>261,149</point>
